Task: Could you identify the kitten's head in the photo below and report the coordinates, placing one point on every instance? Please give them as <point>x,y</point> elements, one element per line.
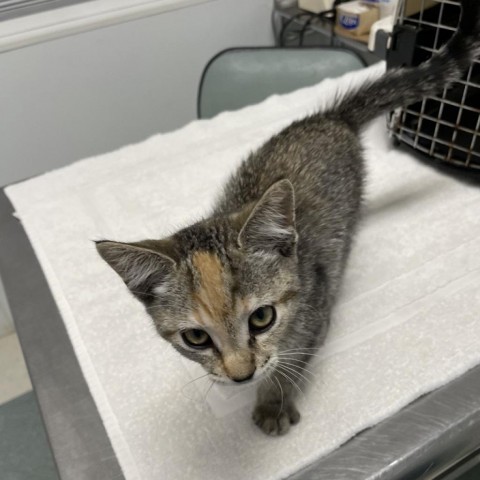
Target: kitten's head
<point>222,291</point>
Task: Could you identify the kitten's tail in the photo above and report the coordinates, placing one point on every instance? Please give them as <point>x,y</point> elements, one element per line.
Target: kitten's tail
<point>404,86</point>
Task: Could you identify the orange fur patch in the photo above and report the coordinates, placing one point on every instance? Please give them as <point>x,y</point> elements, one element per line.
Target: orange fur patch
<point>211,296</point>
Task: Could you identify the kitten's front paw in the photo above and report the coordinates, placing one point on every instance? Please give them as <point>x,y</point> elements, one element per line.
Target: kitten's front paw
<point>274,419</point>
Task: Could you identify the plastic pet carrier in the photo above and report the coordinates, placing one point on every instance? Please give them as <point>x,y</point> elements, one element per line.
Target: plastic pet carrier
<point>445,126</point>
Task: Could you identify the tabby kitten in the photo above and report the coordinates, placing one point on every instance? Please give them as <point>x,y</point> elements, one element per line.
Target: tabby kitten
<point>254,283</point>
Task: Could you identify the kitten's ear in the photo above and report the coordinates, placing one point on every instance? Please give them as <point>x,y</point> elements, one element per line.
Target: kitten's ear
<point>141,268</point>
<point>271,224</point>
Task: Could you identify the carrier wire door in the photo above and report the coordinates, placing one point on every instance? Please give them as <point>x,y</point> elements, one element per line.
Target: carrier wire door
<point>446,126</point>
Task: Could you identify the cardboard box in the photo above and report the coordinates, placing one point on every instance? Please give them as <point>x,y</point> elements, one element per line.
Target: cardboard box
<point>358,38</point>
<point>412,7</point>
<point>355,18</point>
<point>315,6</point>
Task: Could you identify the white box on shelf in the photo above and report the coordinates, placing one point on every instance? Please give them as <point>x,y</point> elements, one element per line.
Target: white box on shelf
<point>315,6</point>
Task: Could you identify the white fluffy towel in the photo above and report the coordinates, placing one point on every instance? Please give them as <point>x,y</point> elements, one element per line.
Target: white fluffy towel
<point>406,321</point>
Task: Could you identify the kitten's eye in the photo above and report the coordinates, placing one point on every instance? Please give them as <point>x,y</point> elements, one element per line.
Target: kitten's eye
<point>197,338</point>
<point>262,319</point>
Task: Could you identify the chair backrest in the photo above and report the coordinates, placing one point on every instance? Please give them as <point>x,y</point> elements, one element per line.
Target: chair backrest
<point>243,76</point>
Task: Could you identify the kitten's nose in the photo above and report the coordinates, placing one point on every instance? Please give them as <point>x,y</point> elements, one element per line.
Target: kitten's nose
<point>244,379</point>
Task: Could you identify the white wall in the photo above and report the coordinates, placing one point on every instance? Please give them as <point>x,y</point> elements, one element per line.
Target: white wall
<point>92,92</point>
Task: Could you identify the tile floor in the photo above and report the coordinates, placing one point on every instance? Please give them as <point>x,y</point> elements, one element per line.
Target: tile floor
<point>14,379</point>
<point>24,450</point>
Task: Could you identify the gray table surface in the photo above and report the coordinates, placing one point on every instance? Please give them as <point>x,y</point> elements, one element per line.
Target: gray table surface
<point>423,441</point>
<point>80,445</point>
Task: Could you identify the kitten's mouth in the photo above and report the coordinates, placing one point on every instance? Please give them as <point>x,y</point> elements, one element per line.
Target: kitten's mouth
<point>232,383</point>
<point>259,375</point>
<point>246,383</point>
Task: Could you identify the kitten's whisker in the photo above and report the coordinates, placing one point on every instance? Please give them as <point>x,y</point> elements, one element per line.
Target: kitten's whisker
<point>281,393</point>
<point>317,377</point>
<point>271,381</point>
<point>300,348</point>
<point>182,389</point>
<point>294,373</point>
<point>297,373</point>
<point>186,396</point>
<point>290,380</point>
<point>300,367</point>
<point>294,359</point>
<point>301,353</point>
<point>293,379</point>
<point>208,391</point>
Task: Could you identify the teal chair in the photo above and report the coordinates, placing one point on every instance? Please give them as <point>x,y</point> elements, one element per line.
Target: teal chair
<point>239,77</point>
